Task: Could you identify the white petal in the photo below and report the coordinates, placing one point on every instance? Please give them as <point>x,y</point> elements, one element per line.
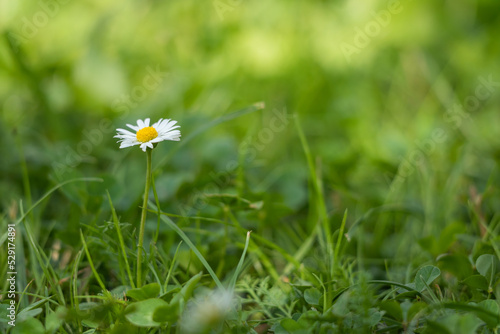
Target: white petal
<point>125,137</point>
<point>140,124</point>
<point>166,125</point>
<point>168,128</point>
<point>125,132</point>
<point>127,144</point>
<point>128,140</point>
<point>172,123</point>
<point>157,139</point>
<point>172,135</point>
<point>157,123</point>
<point>146,122</point>
<point>133,127</point>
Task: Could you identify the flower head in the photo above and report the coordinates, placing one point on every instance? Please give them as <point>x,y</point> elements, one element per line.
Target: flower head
<point>206,312</point>
<point>146,135</point>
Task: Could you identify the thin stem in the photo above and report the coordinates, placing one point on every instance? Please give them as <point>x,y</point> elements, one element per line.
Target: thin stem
<point>143,219</point>
<point>155,239</point>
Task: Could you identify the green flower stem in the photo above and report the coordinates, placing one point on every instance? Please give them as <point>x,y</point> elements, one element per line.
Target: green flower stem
<point>143,219</point>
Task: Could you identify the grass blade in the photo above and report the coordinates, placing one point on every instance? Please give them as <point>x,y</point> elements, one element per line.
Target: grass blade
<point>339,239</point>
<point>171,268</point>
<point>184,237</point>
<point>74,288</point>
<point>91,263</point>
<point>318,198</point>
<point>232,283</point>
<point>120,239</point>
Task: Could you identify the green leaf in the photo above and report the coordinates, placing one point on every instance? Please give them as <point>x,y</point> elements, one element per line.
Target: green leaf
<point>425,276</point>
<point>490,306</point>
<point>168,313</point>
<point>486,311</point>
<point>406,295</point>
<point>37,304</point>
<point>428,244</point>
<point>54,320</point>
<point>31,326</point>
<point>28,313</point>
<point>124,328</point>
<point>305,318</point>
<point>360,320</point>
<point>457,264</point>
<point>405,308</point>
<point>89,310</point>
<point>448,236</point>
<point>312,296</point>
<point>374,316</point>
<point>392,308</point>
<point>461,323</point>
<point>187,289</point>
<point>434,327</point>
<point>141,313</point>
<point>487,265</point>
<point>445,240</point>
<point>278,329</point>
<point>414,309</point>
<point>476,282</point>
<point>293,326</point>
<point>146,292</point>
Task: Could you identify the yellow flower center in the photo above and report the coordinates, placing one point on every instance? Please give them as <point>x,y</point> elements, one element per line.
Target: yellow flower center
<point>146,134</point>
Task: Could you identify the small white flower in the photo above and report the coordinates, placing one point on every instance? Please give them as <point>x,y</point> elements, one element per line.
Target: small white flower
<point>146,135</point>
<point>205,313</point>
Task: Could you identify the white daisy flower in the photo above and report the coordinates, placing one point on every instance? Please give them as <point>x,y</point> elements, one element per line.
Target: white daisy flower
<point>146,135</point>
<point>205,313</point>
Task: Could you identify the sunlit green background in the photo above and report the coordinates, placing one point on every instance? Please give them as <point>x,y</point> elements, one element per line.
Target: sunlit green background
<point>65,66</point>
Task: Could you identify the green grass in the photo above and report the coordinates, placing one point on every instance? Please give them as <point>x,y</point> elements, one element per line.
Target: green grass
<point>311,192</point>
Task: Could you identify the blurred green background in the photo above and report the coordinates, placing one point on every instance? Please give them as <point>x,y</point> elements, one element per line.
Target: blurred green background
<point>382,122</point>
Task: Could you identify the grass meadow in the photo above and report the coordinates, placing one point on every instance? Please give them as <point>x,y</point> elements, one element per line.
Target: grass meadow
<point>337,171</point>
